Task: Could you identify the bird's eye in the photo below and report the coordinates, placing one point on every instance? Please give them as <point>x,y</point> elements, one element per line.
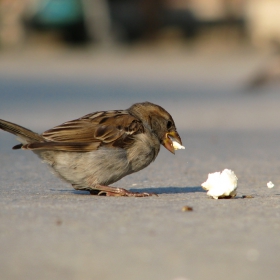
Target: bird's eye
<point>169,124</point>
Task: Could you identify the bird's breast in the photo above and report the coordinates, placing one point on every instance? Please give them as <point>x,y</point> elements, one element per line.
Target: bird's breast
<point>144,150</point>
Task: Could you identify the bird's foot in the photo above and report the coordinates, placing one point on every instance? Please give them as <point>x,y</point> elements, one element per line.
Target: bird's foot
<point>112,191</point>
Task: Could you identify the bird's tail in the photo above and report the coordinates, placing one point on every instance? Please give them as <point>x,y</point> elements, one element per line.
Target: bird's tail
<point>24,135</point>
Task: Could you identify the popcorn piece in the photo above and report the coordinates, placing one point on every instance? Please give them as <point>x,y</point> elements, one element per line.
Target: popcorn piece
<point>177,146</point>
<point>270,185</point>
<point>221,184</point>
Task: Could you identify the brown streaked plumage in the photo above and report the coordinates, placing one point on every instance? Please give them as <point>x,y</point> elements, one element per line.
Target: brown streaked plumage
<point>99,149</point>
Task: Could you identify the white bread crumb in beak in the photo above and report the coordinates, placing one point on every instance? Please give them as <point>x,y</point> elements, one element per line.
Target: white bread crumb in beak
<point>177,146</point>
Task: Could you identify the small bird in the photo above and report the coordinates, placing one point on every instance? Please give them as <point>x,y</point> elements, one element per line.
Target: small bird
<point>100,148</point>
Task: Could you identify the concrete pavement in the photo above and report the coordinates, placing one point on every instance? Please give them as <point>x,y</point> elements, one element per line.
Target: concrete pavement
<point>50,231</point>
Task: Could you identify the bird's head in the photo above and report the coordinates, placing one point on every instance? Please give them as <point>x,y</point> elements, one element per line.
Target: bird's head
<point>160,122</point>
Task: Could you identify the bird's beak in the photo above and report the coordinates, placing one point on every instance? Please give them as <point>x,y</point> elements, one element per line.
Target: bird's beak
<point>168,139</point>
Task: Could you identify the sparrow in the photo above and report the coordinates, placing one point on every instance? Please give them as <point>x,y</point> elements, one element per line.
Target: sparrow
<point>100,148</point>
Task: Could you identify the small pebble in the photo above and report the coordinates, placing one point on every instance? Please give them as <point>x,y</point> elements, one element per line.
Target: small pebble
<point>247,196</point>
<point>186,208</point>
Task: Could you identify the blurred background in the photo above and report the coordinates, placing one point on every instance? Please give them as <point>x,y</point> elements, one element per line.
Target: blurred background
<point>204,60</point>
<point>215,66</point>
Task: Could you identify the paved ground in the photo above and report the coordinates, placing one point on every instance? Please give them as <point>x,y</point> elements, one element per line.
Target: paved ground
<point>50,231</point>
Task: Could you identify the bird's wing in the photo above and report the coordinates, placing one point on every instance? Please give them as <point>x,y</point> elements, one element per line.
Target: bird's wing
<point>106,128</point>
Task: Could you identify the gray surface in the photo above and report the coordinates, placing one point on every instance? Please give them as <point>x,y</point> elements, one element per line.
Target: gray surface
<point>50,231</point>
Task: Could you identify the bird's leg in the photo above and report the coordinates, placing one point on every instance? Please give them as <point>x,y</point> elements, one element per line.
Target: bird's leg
<point>113,191</point>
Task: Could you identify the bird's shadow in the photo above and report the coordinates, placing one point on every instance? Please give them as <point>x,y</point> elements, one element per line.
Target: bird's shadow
<point>158,190</point>
<point>170,190</point>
